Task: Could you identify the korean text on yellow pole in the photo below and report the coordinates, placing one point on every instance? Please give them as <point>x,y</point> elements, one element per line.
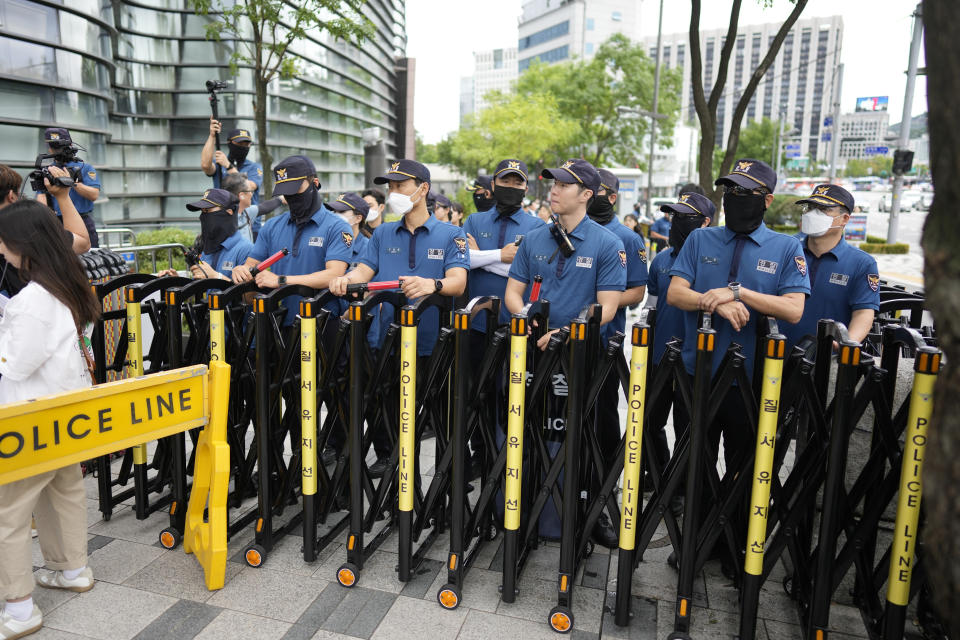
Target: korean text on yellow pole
<point>308,404</point>
<point>516,397</point>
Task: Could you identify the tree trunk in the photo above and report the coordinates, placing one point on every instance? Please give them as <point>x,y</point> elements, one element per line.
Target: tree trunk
<point>941,235</point>
<point>260,115</point>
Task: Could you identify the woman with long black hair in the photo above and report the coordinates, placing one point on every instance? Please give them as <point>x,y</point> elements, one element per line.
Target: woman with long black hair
<point>42,352</point>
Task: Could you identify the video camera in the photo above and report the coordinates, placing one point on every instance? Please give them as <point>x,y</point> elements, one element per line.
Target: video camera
<point>216,85</point>
<point>192,255</point>
<point>42,170</point>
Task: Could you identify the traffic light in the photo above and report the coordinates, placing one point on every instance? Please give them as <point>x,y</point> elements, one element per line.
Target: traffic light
<point>902,161</point>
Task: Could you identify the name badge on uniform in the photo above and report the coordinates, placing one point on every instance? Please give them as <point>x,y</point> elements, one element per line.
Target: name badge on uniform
<point>226,264</point>
<point>709,260</point>
<point>839,278</point>
<point>767,266</point>
<point>434,254</point>
<point>316,241</point>
<point>393,251</point>
<point>486,234</point>
<point>585,261</point>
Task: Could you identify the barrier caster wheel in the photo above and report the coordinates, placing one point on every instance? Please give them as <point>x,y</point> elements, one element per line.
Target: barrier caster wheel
<point>255,555</point>
<point>170,538</point>
<point>561,620</point>
<point>449,597</point>
<point>347,575</point>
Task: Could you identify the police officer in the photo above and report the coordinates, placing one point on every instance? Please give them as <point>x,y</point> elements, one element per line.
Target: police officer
<point>377,202</point>
<point>86,181</point>
<point>224,246</point>
<point>482,189</point>
<point>844,281</point>
<point>234,161</point>
<point>441,210</point>
<point>427,255</point>
<point>353,210</point>
<point>660,232</point>
<point>320,243</point>
<point>737,273</point>
<point>692,211</point>
<point>243,189</point>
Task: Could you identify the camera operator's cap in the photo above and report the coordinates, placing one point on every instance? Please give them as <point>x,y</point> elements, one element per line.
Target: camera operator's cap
<point>350,202</point>
<point>57,135</point>
<point>691,204</point>
<point>750,174</point>
<point>213,198</point>
<point>575,171</point>
<point>481,182</point>
<point>443,201</point>
<point>404,170</point>
<point>830,195</point>
<point>609,181</point>
<point>288,175</point>
<point>239,135</point>
<point>509,166</point>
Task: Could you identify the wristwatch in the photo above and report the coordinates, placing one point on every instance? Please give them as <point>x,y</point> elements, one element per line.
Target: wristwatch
<point>282,281</point>
<point>735,288</point>
<point>438,284</point>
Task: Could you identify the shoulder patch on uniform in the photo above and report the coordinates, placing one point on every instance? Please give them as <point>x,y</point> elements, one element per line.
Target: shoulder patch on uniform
<point>623,257</point>
<point>92,174</point>
<point>873,279</point>
<point>259,171</point>
<point>801,265</point>
<point>461,243</point>
<point>642,254</point>
<point>347,238</point>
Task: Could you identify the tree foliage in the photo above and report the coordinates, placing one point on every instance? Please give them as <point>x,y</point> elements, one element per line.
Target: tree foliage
<point>528,127</point>
<point>603,95</point>
<point>880,166</point>
<point>265,33</point>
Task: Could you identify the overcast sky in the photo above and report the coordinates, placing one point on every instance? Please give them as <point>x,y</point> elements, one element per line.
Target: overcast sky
<point>442,36</point>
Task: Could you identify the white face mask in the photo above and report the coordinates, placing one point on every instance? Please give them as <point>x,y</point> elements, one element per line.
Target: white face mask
<point>815,224</point>
<point>346,217</point>
<point>400,203</point>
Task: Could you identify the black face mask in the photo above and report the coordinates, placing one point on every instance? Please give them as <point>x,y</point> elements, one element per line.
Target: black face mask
<point>302,205</point>
<point>215,228</point>
<point>237,154</point>
<point>601,210</point>
<point>508,199</point>
<point>681,227</point>
<point>744,213</point>
<point>482,202</point>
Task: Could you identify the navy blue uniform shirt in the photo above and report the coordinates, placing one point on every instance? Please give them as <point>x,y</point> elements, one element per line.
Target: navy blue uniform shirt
<point>637,275</point>
<point>670,319</point>
<point>88,176</point>
<point>570,284</point>
<point>233,251</point>
<point>842,281</point>
<point>768,262</point>
<point>394,252</point>
<point>493,231</point>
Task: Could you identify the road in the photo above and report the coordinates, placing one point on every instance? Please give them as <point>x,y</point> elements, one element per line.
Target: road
<point>904,269</point>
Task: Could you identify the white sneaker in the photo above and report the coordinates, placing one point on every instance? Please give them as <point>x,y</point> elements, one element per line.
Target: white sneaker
<point>56,580</point>
<point>11,627</point>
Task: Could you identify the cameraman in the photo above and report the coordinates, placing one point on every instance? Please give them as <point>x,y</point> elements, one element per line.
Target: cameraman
<point>75,232</point>
<point>234,161</point>
<point>86,184</point>
<point>248,213</point>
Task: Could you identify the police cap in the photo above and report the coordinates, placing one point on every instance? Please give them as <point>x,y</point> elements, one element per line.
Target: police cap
<point>750,174</point>
<point>288,175</point>
<point>213,198</point>
<point>830,195</point>
<point>404,170</point>
<point>575,171</point>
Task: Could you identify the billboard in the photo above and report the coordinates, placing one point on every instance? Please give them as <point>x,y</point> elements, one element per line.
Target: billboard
<point>873,103</point>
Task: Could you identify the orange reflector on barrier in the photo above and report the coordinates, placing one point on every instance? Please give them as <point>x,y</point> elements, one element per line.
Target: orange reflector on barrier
<point>563,583</point>
<point>173,507</point>
<point>453,562</point>
<point>253,557</point>
<point>259,525</point>
<point>350,542</point>
<point>683,607</point>
<point>167,540</point>
<point>448,599</point>
<point>346,577</point>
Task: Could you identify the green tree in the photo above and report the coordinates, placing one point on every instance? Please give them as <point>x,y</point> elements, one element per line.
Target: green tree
<point>528,127</point>
<point>604,96</point>
<point>881,167</point>
<point>706,105</point>
<point>263,32</point>
<point>425,153</point>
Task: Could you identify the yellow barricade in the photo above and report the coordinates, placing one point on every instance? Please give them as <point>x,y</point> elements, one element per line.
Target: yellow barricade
<point>517,398</point>
<point>633,442</point>
<point>408,410</point>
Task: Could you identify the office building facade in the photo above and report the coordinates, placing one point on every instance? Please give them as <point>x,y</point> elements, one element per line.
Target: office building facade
<point>798,87</point>
<point>493,70</point>
<point>863,131</point>
<point>128,80</point>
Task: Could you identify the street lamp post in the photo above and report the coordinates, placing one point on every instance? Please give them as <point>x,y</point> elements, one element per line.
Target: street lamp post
<point>653,118</point>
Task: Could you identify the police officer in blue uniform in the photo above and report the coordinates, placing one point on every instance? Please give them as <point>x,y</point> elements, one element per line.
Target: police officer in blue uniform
<point>442,207</point>
<point>224,246</point>
<point>660,232</point>
<point>234,161</point>
<point>482,190</point>
<point>844,281</point>
<point>692,211</point>
<point>320,243</point>
<point>86,180</point>
<point>737,273</point>
<point>426,255</point>
<point>354,210</point>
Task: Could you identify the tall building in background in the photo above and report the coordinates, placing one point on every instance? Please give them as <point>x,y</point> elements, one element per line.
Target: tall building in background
<point>558,30</point>
<point>798,86</point>
<point>128,81</point>
<point>493,70</point>
<point>862,132</point>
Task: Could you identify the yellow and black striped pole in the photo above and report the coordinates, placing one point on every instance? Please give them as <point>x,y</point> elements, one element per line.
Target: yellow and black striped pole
<point>902,553</point>
<point>769,412</point>
<point>308,426</point>
<point>632,459</point>
<point>406,466</point>
<point>516,400</point>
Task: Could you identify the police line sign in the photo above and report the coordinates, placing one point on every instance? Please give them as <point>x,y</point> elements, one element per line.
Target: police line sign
<point>48,433</point>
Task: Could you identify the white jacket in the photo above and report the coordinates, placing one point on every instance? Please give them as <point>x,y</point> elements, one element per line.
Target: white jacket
<point>39,351</point>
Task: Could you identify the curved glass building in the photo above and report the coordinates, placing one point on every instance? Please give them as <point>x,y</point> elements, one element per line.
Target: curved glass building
<point>128,79</point>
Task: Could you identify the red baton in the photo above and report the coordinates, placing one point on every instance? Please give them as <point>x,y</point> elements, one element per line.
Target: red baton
<point>373,286</point>
<point>269,262</point>
<point>535,290</point>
